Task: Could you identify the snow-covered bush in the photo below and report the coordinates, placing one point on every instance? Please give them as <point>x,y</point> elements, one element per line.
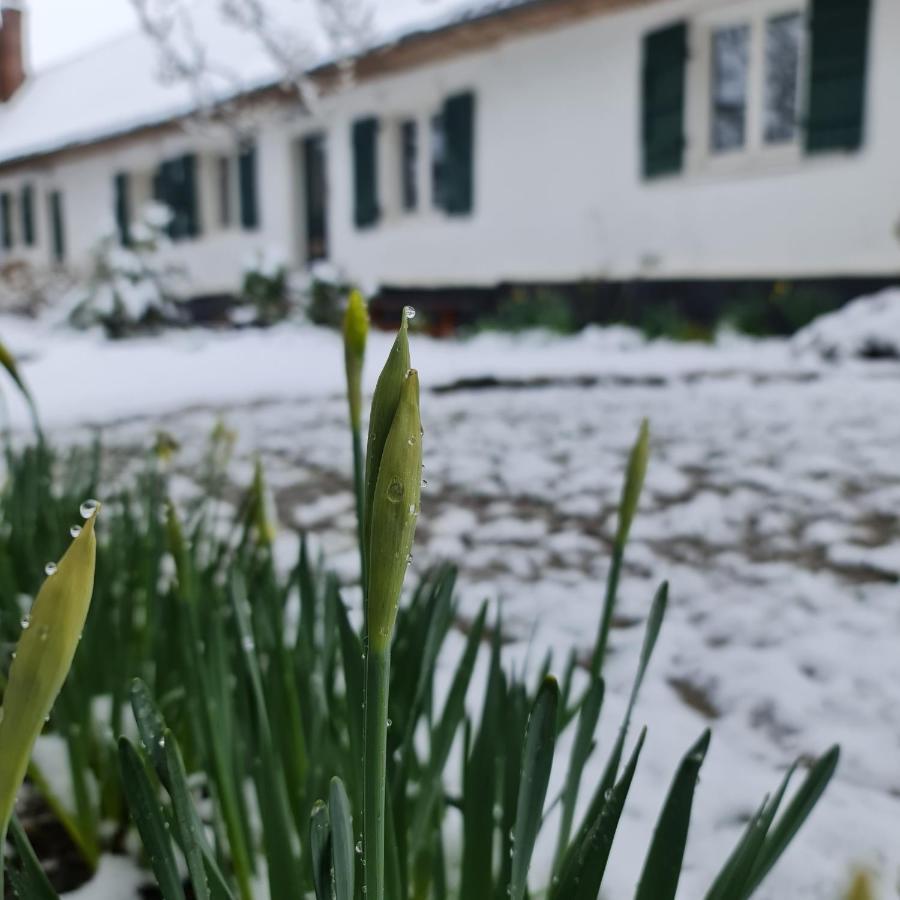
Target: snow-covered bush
<point>265,291</point>
<point>867,328</point>
<point>129,288</point>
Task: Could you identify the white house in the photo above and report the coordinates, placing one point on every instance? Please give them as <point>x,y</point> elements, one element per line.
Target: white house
<point>534,141</point>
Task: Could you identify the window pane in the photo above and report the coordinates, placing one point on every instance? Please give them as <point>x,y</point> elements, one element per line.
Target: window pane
<point>783,37</point>
<point>438,161</point>
<point>730,69</point>
<point>409,152</point>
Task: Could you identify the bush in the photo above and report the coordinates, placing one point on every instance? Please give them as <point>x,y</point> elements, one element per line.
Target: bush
<point>265,288</point>
<point>524,308</point>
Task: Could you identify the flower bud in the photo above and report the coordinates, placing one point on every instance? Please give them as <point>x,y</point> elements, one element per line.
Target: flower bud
<point>634,482</point>
<point>394,511</point>
<point>356,329</point>
<point>384,406</point>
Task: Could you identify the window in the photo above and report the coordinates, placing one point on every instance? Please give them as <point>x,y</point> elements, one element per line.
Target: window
<point>6,220</point>
<point>409,163</point>
<point>730,75</point>
<point>57,228</point>
<point>783,39</point>
<point>28,231</point>
<point>247,184</point>
<point>365,172</point>
<point>122,204</point>
<point>224,187</point>
<point>175,185</point>
<point>315,185</point>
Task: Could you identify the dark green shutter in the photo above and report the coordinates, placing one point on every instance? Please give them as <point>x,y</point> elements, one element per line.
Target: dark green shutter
<point>365,172</point>
<point>57,229</point>
<point>459,133</point>
<point>247,181</point>
<point>839,31</point>
<point>6,225</point>
<point>122,208</point>
<point>662,122</point>
<point>28,232</point>
<point>175,184</point>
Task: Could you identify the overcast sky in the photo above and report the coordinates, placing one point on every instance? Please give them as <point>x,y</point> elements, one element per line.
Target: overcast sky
<point>62,28</point>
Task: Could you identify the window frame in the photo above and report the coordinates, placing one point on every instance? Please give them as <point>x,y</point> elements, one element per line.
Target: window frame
<point>756,151</point>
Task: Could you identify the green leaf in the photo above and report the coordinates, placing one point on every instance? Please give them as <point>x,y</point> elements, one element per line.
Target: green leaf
<point>662,869</point>
<point>320,850</point>
<point>29,882</point>
<point>537,760</point>
<point>143,803</point>
<point>582,874</point>
<point>795,815</point>
<point>342,847</point>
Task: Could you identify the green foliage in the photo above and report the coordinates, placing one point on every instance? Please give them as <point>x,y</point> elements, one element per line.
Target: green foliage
<point>265,291</point>
<point>523,308</point>
<point>259,691</point>
<point>784,310</point>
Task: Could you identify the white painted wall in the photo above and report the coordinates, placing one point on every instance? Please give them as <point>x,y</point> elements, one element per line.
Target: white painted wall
<point>558,189</point>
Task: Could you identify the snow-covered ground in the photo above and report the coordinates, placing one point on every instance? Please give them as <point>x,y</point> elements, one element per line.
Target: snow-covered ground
<point>772,506</point>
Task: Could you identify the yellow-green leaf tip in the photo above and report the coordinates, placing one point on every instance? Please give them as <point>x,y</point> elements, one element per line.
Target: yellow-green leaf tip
<point>42,660</point>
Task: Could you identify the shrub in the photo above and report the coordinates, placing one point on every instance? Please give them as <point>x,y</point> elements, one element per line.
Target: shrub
<point>265,288</point>
<point>524,308</point>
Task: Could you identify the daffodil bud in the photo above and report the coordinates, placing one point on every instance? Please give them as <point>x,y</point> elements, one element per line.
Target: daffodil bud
<point>43,657</point>
<point>861,887</point>
<point>356,330</point>
<point>384,406</point>
<point>634,482</point>
<point>394,511</point>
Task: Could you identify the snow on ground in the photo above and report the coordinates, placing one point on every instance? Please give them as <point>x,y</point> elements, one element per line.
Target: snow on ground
<point>771,506</point>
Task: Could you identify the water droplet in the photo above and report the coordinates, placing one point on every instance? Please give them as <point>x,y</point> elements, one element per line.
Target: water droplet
<point>44,632</point>
<point>25,623</point>
<point>409,312</point>
<point>412,509</point>
<point>411,440</point>
<point>162,742</point>
<point>359,846</point>
<point>75,530</point>
<point>248,644</point>
<point>389,723</point>
<point>395,490</point>
<point>88,508</point>
<point>50,568</point>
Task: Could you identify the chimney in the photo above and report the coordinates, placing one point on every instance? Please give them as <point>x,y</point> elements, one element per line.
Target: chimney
<point>12,52</point>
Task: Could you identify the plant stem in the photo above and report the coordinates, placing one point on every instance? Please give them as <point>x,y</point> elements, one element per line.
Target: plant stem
<point>378,668</point>
<point>609,605</point>
<point>359,489</point>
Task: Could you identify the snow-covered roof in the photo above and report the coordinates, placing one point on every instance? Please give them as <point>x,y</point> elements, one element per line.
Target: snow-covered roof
<point>121,85</point>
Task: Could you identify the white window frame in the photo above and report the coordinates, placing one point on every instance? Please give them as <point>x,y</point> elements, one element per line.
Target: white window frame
<point>756,152</point>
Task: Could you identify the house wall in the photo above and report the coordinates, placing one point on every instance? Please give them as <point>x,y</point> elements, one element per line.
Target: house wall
<point>559,194</point>
<point>559,191</point>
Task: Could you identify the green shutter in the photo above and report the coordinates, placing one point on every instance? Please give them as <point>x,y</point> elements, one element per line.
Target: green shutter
<point>57,229</point>
<point>122,208</point>
<point>6,225</point>
<point>247,181</point>
<point>664,64</point>
<point>28,232</point>
<point>839,31</point>
<point>175,185</point>
<point>459,134</point>
<point>365,172</point>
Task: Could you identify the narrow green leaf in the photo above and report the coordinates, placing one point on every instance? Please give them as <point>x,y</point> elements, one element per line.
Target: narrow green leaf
<point>143,803</point>
<point>662,869</point>
<point>537,760</point>
<point>342,848</point>
<point>29,882</point>
<point>582,875</point>
<point>796,813</point>
<point>320,850</point>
